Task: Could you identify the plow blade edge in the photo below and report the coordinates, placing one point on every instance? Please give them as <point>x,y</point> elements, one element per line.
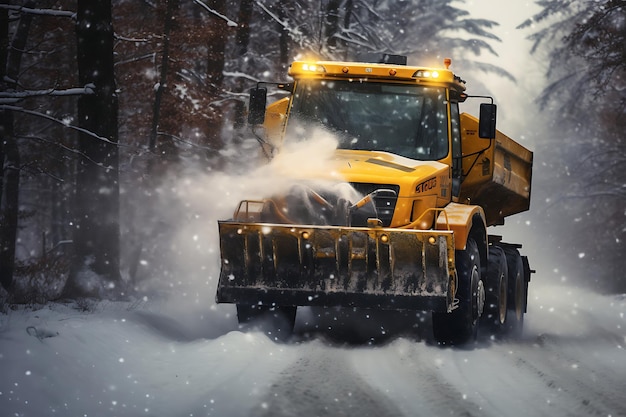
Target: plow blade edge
<point>277,264</point>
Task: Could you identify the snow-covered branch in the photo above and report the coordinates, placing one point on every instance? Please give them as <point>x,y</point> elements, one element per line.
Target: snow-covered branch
<point>294,33</point>
<point>151,56</point>
<point>41,12</point>
<point>216,13</point>
<point>353,41</point>
<point>55,120</point>
<point>138,150</point>
<point>127,39</point>
<point>14,97</point>
<point>67,149</point>
<point>186,142</point>
<point>240,75</point>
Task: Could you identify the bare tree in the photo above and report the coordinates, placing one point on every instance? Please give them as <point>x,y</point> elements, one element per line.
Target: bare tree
<point>6,277</point>
<point>95,270</point>
<point>242,43</point>
<point>10,153</point>
<point>170,7</point>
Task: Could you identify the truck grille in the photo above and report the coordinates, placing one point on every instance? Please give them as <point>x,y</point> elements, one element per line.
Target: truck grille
<point>384,205</point>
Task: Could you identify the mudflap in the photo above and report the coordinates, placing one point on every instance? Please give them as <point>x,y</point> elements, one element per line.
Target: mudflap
<point>302,265</point>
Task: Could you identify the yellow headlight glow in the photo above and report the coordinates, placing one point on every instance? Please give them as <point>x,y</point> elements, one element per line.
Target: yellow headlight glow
<point>313,68</point>
<point>426,74</point>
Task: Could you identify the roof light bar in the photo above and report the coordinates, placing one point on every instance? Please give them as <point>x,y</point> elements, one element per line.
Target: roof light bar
<point>426,74</point>
<point>313,67</point>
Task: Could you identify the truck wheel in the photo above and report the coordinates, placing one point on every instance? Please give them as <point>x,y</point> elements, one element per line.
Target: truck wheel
<point>496,290</point>
<point>461,325</point>
<point>516,293</point>
<point>276,322</point>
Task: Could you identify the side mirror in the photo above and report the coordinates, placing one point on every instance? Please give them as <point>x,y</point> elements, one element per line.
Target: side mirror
<point>487,121</point>
<point>256,109</point>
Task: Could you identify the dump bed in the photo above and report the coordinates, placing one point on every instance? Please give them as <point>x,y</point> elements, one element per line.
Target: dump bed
<point>499,178</point>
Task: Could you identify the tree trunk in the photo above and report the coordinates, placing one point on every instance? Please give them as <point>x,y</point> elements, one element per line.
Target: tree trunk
<point>95,269</point>
<point>8,215</point>
<point>242,38</point>
<point>216,48</point>
<point>9,151</point>
<point>283,40</point>
<point>242,41</point>
<point>348,9</point>
<point>332,25</point>
<point>4,52</point>
<point>170,7</point>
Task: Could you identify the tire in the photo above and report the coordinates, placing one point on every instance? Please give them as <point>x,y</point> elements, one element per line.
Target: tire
<point>461,325</point>
<point>496,291</point>
<point>517,288</point>
<point>275,322</point>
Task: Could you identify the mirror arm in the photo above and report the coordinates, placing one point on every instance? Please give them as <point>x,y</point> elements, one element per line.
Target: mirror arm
<point>485,97</point>
<point>281,86</point>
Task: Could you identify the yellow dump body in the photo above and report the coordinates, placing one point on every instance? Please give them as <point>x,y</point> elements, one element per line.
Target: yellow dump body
<point>498,179</point>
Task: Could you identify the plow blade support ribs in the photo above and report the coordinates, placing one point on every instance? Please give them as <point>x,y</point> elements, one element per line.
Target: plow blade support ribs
<point>277,264</point>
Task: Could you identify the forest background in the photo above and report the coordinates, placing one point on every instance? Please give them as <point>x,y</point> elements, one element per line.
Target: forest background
<point>103,102</point>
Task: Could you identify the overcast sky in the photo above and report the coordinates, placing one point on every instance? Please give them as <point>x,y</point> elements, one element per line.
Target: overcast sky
<point>513,51</point>
<point>514,56</point>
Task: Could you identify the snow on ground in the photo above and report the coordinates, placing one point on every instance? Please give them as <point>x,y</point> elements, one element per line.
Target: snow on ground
<point>154,359</point>
<point>129,362</point>
<point>177,354</point>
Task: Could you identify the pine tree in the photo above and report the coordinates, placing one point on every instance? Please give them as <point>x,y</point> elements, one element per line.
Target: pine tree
<point>585,46</point>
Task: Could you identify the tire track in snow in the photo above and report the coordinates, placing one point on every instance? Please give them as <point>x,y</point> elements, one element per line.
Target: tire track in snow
<point>409,373</point>
<point>323,383</point>
<point>575,385</point>
<point>575,349</point>
<point>571,362</point>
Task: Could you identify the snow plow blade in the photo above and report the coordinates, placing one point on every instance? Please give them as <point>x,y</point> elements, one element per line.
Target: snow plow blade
<point>382,268</point>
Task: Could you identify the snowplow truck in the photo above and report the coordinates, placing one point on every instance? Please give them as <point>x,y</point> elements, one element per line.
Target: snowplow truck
<point>426,182</point>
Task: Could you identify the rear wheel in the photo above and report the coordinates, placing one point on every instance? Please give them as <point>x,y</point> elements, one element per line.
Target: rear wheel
<point>276,322</point>
<point>461,325</point>
<point>516,292</point>
<point>496,293</point>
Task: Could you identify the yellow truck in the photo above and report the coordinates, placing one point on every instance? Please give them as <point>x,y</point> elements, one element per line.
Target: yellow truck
<point>426,182</point>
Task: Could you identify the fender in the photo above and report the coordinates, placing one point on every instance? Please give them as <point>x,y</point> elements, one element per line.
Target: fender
<point>464,220</point>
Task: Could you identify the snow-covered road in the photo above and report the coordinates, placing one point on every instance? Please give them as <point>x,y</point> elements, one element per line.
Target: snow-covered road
<point>158,359</point>
<point>570,362</point>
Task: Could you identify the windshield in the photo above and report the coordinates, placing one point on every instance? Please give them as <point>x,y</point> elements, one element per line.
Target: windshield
<point>407,120</point>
